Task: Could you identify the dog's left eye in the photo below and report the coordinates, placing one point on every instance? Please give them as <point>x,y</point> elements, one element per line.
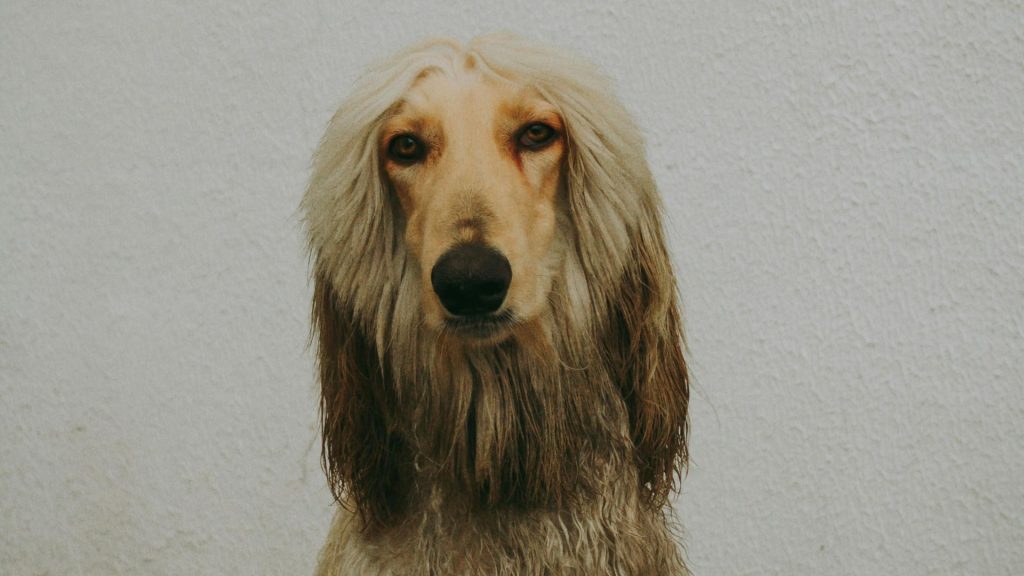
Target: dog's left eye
<point>536,135</point>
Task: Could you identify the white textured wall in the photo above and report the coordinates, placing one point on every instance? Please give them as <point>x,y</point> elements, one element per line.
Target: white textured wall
<point>845,182</point>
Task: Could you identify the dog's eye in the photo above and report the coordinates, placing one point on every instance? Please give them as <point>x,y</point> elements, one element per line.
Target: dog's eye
<point>536,136</point>
<point>406,149</point>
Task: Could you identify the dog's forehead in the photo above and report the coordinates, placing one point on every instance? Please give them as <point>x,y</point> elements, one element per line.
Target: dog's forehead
<point>435,91</point>
<point>465,93</point>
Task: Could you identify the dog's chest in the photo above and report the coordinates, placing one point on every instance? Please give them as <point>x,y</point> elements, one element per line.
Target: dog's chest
<point>606,538</point>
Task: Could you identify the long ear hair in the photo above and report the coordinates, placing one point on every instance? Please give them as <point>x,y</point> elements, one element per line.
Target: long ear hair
<point>359,267</point>
<point>615,211</point>
<point>361,454</point>
<point>647,345</point>
<point>644,331</point>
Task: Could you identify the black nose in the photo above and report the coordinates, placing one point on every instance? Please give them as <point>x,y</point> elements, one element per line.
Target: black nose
<point>471,279</point>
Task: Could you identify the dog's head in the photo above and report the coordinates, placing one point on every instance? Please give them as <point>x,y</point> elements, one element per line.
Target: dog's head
<point>465,182</point>
<point>473,196</point>
<point>475,161</point>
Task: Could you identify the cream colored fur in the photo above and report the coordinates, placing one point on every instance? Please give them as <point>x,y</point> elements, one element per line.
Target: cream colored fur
<point>550,450</point>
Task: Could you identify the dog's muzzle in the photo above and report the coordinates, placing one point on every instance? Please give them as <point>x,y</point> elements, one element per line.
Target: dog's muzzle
<point>471,279</point>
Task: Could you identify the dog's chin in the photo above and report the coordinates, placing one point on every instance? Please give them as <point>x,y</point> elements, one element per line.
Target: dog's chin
<point>487,330</point>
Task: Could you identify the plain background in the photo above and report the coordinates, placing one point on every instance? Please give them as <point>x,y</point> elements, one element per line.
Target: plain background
<point>843,183</point>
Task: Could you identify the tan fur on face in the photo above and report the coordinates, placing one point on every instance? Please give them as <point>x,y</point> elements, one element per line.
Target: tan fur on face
<point>549,450</point>
<point>477,184</point>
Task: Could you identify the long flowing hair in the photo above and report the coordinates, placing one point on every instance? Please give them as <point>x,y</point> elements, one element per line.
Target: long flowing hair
<point>598,380</point>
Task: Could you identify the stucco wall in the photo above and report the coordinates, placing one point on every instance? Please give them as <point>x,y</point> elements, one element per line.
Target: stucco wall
<point>845,186</point>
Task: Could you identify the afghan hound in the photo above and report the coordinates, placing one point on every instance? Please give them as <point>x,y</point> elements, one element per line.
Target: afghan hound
<point>499,343</point>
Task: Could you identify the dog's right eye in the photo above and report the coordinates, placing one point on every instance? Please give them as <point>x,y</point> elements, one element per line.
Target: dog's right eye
<point>406,149</point>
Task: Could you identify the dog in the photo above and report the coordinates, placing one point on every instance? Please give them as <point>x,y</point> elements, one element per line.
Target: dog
<point>500,349</point>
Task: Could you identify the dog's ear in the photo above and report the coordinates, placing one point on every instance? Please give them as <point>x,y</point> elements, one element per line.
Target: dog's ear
<point>647,350</point>
<point>360,451</point>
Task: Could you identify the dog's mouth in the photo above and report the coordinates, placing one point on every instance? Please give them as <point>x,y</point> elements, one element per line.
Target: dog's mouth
<point>481,328</point>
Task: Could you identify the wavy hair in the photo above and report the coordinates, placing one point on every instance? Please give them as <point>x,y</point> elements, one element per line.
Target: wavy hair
<point>599,383</point>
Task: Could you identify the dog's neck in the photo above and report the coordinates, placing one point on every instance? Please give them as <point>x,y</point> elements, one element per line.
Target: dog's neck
<point>518,424</point>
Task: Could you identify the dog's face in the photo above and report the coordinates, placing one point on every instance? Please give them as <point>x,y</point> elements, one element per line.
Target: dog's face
<point>476,165</point>
<point>530,244</point>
